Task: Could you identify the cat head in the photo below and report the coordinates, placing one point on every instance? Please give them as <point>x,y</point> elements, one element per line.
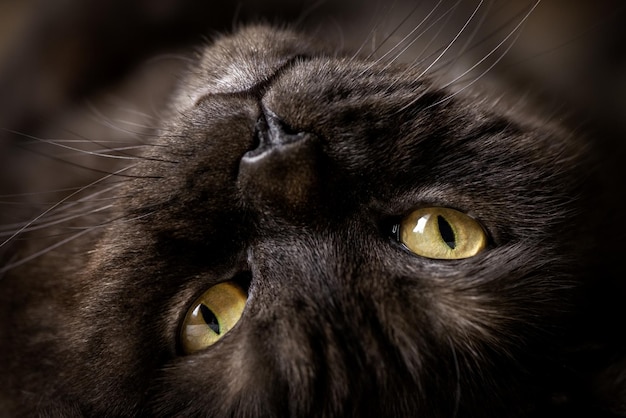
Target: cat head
<point>390,247</point>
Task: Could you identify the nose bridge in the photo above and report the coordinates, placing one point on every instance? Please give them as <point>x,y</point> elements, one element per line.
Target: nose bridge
<point>327,331</point>
<point>301,271</point>
<point>304,270</point>
<point>299,278</point>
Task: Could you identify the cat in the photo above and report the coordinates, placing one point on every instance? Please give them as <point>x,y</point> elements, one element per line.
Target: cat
<point>314,232</point>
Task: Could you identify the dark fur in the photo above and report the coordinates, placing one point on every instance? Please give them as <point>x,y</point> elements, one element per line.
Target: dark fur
<point>341,319</point>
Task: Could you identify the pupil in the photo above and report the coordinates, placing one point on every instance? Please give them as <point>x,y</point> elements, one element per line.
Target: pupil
<point>210,318</point>
<point>447,234</point>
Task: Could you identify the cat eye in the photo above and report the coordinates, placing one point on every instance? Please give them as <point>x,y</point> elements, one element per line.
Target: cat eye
<point>211,316</point>
<point>442,233</point>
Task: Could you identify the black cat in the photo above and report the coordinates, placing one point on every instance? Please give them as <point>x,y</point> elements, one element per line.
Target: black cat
<point>315,234</point>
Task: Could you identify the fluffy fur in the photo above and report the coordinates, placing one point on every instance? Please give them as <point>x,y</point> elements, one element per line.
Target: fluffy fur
<point>341,319</point>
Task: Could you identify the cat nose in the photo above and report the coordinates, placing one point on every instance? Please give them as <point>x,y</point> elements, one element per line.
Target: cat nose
<point>281,172</point>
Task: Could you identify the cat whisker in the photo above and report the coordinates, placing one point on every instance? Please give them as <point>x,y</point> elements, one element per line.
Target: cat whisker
<point>58,204</point>
<point>453,41</point>
<point>470,45</point>
<point>480,76</point>
<point>135,137</point>
<point>64,208</point>
<point>106,152</point>
<point>586,33</point>
<point>99,153</point>
<point>134,218</point>
<point>420,57</point>
<point>61,143</point>
<point>136,140</point>
<point>372,34</point>
<point>516,30</point>
<point>82,141</point>
<point>38,254</point>
<point>134,124</point>
<point>129,108</point>
<point>64,219</point>
<point>447,14</point>
<point>121,219</point>
<point>403,40</point>
<point>139,113</point>
<point>107,122</point>
<point>141,121</point>
<point>85,152</point>
<point>69,216</point>
<point>469,40</point>
<point>45,192</point>
<point>20,195</point>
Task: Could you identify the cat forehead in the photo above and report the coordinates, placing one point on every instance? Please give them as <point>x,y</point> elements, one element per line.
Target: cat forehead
<point>254,56</point>
<point>263,56</point>
<point>238,62</point>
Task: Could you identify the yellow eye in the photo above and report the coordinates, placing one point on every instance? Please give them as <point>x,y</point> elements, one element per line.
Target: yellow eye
<point>442,233</point>
<point>211,316</point>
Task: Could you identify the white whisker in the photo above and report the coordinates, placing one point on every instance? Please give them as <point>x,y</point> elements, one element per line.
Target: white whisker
<point>65,209</point>
<point>372,33</point>
<point>42,252</point>
<point>476,79</point>
<point>45,192</point>
<point>420,56</point>
<point>98,153</point>
<point>128,109</point>
<point>453,41</point>
<point>105,152</point>
<point>514,32</point>
<point>64,219</point>
<point>447,14</point>
<point>494,49</point>
<point>402,41</point>
<point>469,41</point>
<point>135,125</point>
<point>107,122</point>
<point>77,141</point>
<point>65,199</point>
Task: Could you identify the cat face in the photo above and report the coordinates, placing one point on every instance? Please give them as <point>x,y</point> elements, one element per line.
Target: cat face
<point>377,244</point>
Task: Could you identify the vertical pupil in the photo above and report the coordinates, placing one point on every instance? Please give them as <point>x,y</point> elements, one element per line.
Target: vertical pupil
<point>210,318</point>
<point>447,234</point>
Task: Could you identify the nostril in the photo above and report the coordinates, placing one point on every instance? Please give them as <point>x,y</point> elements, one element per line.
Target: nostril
<point>271,132</point>
<point>282,129</point>
<point>261,132</point>
<point>279,131</point>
